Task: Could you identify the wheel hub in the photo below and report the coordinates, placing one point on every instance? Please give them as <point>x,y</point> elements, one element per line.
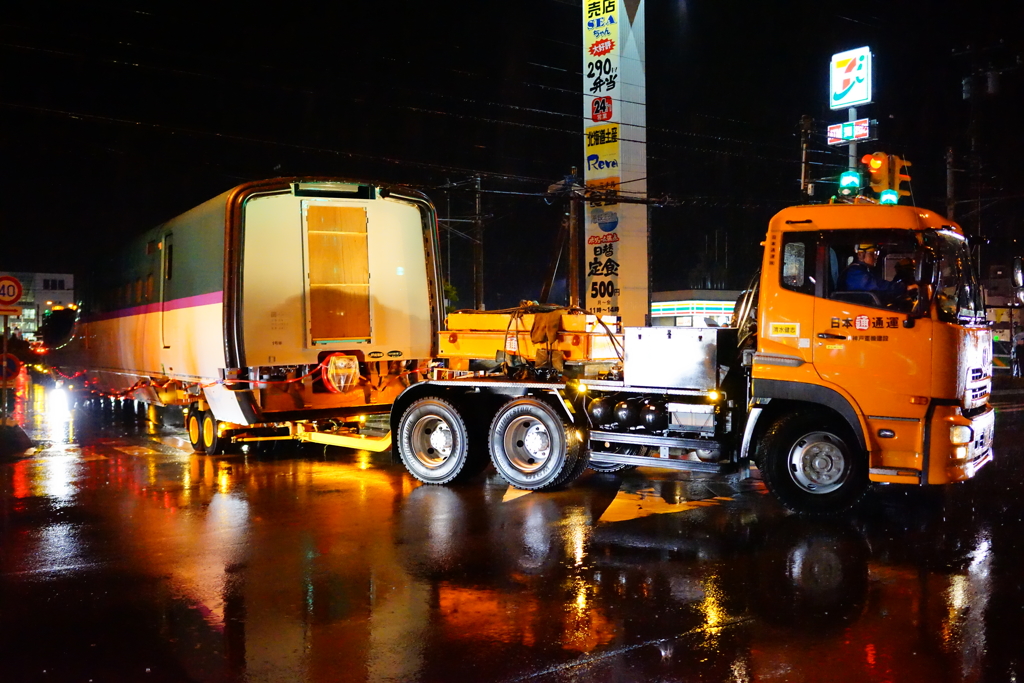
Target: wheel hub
<point>536,441</point>
<point>818,463</point>
<point>432,441</point>
<point>441,439</point>
<point>528,444</point>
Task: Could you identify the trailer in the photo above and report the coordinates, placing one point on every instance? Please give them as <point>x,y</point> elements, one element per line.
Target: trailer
<point>281,309</point>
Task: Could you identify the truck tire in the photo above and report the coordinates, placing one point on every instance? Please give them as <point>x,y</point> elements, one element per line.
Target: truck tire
<point>813,465</point>
<point>533,447</point>
<point>434,443</point>
<point>194,426</point>
<point>212,443</point>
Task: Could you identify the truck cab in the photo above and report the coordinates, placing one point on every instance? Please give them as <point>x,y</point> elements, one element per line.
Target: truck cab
<point>885,382</point>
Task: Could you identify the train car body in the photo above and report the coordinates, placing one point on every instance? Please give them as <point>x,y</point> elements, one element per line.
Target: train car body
<point>279,300</point>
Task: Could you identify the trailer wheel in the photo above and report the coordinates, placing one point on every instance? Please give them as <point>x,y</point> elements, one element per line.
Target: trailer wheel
<point>533,447</point>
<point>813,466</point>
<point>194,425</point>
<point>213,444</point>
<point>434,443</point>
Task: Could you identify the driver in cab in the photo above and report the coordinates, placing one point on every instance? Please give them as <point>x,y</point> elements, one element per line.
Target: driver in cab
<point>862,276</point>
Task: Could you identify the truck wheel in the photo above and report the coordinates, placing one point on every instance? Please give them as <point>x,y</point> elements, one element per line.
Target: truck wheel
<point>813,466</point>
<point>434,443</point>
<point>194,425</point>
<point>533,447</point>
<point>211,440</point>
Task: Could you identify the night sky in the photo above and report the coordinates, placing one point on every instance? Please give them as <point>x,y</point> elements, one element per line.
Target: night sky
<point>118,117</point>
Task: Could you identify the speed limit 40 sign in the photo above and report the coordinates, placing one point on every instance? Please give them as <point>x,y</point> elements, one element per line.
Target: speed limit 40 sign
<point>10,290</point>
<point>10,294</point>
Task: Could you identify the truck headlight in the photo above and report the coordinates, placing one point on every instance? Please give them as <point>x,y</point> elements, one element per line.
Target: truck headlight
<point>961,434</point>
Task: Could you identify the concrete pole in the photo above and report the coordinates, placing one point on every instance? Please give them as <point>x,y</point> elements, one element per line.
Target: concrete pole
<point>575,236</point>
<point>478,252</point>
<point>950,193</point>
<point>3,375</point>
<point>805,132</point>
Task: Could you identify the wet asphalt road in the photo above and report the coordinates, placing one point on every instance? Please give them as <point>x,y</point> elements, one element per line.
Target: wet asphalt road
<point>126,557</point>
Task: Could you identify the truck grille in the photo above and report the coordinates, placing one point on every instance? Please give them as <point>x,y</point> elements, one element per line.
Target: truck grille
<point>977,374</point>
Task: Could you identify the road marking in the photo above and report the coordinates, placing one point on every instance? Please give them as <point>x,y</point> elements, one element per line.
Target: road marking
<point>176,442</point>
<point>135,450</point>
<point>512,493</point>
<point>628,506</point>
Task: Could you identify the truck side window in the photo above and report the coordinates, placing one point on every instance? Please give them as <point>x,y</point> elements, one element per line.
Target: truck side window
<point>798,262</point>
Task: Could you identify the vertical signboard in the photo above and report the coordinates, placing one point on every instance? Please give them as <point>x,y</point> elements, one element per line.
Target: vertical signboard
<point>850,78</point>
<point>615,159</point>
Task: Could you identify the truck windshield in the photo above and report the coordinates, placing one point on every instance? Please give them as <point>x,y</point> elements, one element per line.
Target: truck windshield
<point>958,294</point>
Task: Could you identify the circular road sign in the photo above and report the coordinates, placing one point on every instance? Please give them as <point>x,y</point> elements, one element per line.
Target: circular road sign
<point>10,290</point>
<point>10,366</point>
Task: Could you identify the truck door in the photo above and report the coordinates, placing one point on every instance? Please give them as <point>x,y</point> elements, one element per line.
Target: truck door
<point>861,341</point>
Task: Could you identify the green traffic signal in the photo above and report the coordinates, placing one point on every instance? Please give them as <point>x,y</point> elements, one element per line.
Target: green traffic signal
<point>849,183</point>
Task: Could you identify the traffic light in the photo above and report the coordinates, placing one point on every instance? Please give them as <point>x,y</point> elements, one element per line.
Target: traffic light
<point>878,171</point>
<point>896,166</point>
<point>849,183</point>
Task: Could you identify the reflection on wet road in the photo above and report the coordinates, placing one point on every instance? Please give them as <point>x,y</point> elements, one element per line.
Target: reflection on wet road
<point>126,557</point>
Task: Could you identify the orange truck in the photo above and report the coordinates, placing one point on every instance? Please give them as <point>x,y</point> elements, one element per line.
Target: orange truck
<point>257,315</point>
<point>824,386</point>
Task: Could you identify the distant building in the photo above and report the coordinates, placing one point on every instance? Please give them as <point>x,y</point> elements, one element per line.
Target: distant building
<point>42,292</point>
<point>693,307</point>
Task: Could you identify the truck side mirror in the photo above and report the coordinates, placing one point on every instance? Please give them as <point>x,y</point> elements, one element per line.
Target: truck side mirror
<point>921,305</point>
<point>1018,272</point>
<point>925,272</point>
<point>926,275</point>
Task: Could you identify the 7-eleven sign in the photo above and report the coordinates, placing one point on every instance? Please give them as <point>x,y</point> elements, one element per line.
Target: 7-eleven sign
<point>850,78</point>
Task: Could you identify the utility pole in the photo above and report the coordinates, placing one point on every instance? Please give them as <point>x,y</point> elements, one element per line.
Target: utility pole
<point>478,252</point>
<point>3,369</point>
<point>806,123</point>
<point>950,191</point>
<point>575,214</point>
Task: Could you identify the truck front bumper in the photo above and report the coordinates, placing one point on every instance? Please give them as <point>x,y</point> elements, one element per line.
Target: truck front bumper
<point>965,460</point>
